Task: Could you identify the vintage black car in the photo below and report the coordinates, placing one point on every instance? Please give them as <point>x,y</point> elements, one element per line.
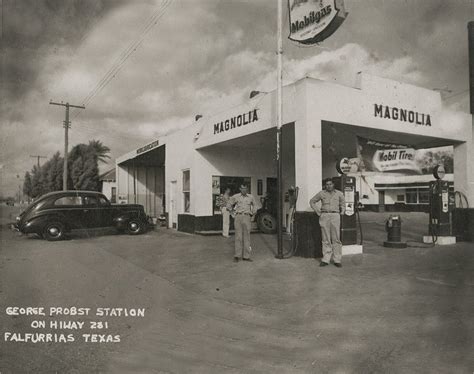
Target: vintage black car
<point>54,214</point>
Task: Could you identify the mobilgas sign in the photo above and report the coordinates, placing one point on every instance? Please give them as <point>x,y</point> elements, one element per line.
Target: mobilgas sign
<point>399,114</point>
<point>147,147</point>
<point>312,21</point>
<point>347,165</point>
<point>236,121</point>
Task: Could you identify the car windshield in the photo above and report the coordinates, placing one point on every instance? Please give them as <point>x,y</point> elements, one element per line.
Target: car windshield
<point>40,204</point>
<point>34,205</point>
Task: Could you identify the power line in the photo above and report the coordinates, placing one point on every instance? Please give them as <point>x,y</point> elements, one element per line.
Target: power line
<point>120,57</point>
<point>126,53</point>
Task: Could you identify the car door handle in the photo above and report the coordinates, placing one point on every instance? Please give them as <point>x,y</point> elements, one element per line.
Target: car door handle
<point>85,210</point>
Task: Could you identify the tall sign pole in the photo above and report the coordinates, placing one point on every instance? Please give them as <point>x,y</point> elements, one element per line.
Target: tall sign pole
<point>470,28</point>
<point>67,125</point>
<point>310,22</point>
<point>279,133</point>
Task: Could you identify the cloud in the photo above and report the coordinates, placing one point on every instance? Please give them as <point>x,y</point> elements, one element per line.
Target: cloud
<point>35,29</point>
<point>199,58</point>
<point>342,65</point>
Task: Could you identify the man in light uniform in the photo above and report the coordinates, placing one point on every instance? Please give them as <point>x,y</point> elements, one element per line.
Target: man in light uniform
<point>332,208</point>
<point>243,206</point>
<point>222,204</point>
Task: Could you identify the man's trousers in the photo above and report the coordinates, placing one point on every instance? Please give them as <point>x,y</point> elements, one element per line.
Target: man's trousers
<point>242,235</point>
<point>225,222</point>
<point>331,236</point>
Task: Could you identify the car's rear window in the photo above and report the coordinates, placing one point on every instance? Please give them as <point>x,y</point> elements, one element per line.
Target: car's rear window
<point>89,200</point>
<point>69,200</point>
<point>103,201</point>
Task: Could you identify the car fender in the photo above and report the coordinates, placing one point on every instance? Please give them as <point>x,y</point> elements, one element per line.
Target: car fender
<point>120,221</point>
<point>37,223</point>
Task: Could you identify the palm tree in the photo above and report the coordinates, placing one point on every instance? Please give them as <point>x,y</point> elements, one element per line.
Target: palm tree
<point>99,150</point>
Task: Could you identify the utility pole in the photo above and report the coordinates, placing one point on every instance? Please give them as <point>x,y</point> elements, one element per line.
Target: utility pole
<point>38,157</point>
<point>19,188</point>
<point>279,133</point>
<point>67,125</point>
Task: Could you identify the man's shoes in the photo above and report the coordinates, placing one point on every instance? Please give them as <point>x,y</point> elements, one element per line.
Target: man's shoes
<point>323,264</point>
<point>338,264</point>
<point>247,259</point>
<point>236,259</point>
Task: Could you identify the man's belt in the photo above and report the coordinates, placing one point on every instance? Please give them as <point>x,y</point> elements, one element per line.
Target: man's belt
<point>245,214</point>
<point>329,211</point>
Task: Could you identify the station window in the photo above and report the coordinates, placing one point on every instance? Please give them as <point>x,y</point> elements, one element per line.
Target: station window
<point>411,196</point>
<point>113,198</point>
<point>400,198</point>
<point>219,185</point>
<point>423,196</point>
<point>417,196</point>
<point>187,190</point>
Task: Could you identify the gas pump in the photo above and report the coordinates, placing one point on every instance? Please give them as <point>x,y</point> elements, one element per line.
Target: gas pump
<point>347,185</point>
<point>441,205</point>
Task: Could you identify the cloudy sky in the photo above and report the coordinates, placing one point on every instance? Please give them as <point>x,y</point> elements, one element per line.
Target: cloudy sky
<point>199,56</point>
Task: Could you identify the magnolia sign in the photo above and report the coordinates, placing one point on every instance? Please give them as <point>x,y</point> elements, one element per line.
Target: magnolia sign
<point>312,21</point>
<point>236,121</point>
<point>400,114</point>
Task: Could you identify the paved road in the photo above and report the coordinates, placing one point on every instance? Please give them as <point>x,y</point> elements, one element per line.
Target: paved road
<point>396,311</point>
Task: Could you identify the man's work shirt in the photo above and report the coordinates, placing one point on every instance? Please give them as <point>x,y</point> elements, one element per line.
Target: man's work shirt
<point>331,202</point>
<point>242,204</point>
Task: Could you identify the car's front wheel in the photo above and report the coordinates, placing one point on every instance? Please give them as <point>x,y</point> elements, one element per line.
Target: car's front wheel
<point>267,223</point>
<point>54,231</point>
<point>134,227</point>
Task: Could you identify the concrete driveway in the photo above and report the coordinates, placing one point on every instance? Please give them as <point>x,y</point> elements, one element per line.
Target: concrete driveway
<point>386,311</point>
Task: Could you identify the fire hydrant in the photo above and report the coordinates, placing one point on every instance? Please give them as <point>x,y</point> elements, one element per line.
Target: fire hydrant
<point>393,226</point>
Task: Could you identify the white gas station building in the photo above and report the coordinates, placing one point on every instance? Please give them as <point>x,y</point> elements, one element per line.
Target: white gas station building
<point>181,173</point>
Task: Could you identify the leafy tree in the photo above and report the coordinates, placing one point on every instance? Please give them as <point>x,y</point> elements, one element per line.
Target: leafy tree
<point>55,173</point>
<point>99,150</point>
<point>432,158</point>
<point>83,165</point>
<point>83,170</point>
<point>27,185</point>
<point>43,179</point>
<point>36,184</point>
<point>85,173</point>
